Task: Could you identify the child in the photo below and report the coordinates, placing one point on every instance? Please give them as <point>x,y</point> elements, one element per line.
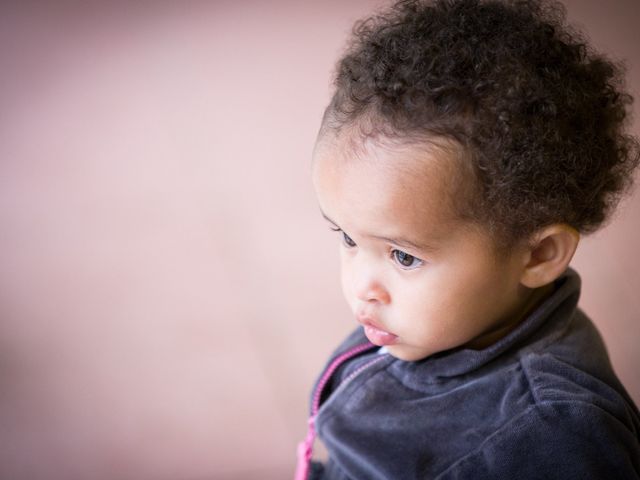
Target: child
<point>467,146</point>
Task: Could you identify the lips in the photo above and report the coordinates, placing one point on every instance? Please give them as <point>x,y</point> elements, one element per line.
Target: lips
<point>375,334</point>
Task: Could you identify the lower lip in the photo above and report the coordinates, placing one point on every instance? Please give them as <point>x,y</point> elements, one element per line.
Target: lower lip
<point>379,337</point>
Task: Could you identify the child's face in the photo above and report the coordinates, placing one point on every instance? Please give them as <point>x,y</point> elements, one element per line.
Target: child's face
<point>418,279</point>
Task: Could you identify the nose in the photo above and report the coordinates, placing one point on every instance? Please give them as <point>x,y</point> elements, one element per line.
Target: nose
<point>369,287</point>
<point>373,293</point>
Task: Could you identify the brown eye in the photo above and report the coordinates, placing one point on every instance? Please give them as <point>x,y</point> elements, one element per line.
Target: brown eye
<point>347,240</point>
<point>406,260</point>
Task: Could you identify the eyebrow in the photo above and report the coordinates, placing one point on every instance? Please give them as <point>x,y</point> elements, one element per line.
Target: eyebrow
<point>401,242</point>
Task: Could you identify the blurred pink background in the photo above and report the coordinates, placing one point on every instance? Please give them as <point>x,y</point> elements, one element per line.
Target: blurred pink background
<point>168,290</point>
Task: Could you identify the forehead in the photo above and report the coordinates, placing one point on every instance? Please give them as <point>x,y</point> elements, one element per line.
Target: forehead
<point>387,189</point>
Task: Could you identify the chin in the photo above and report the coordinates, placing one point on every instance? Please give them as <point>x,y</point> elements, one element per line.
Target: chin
<point>406,353</point>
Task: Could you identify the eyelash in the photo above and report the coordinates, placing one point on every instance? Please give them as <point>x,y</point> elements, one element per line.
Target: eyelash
<point>348,242</point>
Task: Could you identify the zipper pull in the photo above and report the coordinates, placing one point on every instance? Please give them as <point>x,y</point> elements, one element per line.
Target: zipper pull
<point>305,451</point>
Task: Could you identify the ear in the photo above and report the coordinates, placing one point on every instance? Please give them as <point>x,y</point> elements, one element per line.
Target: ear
<point>549,253</point>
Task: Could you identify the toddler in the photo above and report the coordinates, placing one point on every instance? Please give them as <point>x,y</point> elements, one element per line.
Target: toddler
<point>467,146</point>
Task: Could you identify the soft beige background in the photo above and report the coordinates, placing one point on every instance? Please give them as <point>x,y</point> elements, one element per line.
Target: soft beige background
<point>168,291</point>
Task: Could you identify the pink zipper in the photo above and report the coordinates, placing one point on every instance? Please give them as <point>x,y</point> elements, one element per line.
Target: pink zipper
<point>305,448</point>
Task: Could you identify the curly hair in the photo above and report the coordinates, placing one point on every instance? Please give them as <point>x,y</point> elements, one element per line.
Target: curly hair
<point>539,115</point>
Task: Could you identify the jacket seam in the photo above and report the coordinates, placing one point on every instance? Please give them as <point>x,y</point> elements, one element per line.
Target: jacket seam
<point>530,385</point>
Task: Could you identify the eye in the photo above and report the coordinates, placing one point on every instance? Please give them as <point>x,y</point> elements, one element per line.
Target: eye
<point>405,260</point>
<point>346,239</point>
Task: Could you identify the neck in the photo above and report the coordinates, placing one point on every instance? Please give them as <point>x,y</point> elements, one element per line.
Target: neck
<point>535,298</point>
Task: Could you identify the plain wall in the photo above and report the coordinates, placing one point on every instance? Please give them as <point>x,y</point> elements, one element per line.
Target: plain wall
<point>168,289</point>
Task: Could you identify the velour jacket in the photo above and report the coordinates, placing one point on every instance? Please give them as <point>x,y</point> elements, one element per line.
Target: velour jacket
<point>541,403</point>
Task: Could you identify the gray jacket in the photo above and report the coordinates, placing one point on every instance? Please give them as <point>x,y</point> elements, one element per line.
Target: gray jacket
<point>543,402</point>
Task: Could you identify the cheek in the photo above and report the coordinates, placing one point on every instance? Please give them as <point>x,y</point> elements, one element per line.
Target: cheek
<point>345,279</point>
<point>427,304</point>
<point>415,299</point>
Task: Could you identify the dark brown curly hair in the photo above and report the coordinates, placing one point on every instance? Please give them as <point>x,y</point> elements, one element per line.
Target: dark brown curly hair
<point>539,115</point>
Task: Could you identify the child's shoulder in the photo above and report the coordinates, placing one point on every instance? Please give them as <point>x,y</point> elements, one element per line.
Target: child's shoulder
<point>556,440</point>
<point>568,411</point>
<point>573,423</point>
<point>554,409</point>
<point>580,374</point>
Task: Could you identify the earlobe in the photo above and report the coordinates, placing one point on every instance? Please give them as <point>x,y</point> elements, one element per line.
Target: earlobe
<point>550,252</point>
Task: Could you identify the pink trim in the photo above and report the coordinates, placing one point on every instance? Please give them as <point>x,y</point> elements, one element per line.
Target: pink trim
<point>305,448</point>
<point>339,360</point>
<point>305,451</point>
